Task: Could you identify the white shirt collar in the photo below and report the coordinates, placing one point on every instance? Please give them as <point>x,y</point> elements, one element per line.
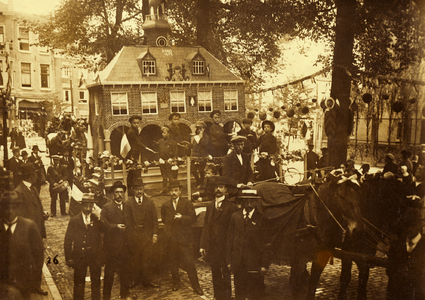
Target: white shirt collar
<point>27,184</point>
<point>175,202</point>
<point>219,200</point>
<point>137,199</point>
<point>411,244</point>
<point>13,226</point>
<point>86,219</point>
<point>239,156</point>
<point>249,214</point>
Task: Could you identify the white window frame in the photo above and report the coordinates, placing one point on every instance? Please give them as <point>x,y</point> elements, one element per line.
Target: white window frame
<point>149,67</point>
<point>228,99</point>
<point>177,100</point>
<point>65,93</point>
<point>48,77</point>
<point>2,36</point>
<point>30,73</point>
<point>84,99</point>
<point>66,71</point>
<point>203,100</point>
<point>22,40</point>
<point>112,104</point>
<point>198,65</point>
<point>152,104</point>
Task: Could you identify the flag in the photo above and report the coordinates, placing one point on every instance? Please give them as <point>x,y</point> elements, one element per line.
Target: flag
<point>125,146</point>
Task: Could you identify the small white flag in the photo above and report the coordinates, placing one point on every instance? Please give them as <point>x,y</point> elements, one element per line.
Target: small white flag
<point>125,146</point>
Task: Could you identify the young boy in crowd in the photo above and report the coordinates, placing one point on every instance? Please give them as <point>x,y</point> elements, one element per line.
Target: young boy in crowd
<point>251,142</point>
<point>167,151</point>
<point>268,147</point>
<point>200,150</point>
<point>177,134</point>
<point>207,194</point>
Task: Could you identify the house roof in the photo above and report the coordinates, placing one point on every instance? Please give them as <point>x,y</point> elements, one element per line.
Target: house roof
<point>124,68</point>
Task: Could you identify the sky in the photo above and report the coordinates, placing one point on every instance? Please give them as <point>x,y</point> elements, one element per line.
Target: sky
<point>35,6</point>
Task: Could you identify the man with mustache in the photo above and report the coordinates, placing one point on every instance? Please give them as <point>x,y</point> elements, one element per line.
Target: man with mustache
<point>214,238</point>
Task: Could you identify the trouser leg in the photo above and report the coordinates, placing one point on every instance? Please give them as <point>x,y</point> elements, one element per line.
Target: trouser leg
<point>53,197</point>
<point>80,271</point>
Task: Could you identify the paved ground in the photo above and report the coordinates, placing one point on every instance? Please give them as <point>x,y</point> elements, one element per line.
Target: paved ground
<point>277,280</point>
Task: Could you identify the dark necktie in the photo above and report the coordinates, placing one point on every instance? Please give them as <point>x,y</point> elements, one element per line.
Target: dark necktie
<point>139,200</point>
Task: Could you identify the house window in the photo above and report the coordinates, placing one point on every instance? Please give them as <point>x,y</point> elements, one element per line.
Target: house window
<point>96,104</point>
<point>24,39</point>
<point>198,67</point>
<point>119,104</point>
<point>66,95</point>
<point>83,97</point>
<point>44,74</point>
<point>177,102</point>
<point>66,72</point>
<point>205,101</point>
<point>25,74</point>
<point>230,100</point>
<point>43,49</point>
<point>1,34</point>
<point>148,67</point>
<point>149,103</point>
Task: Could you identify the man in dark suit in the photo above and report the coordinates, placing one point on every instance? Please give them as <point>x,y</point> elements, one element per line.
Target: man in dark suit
<point>14,165</point>
<point>117,217</point>
<point>214,239</point>
<point>143,235</point>
<point>237,165</point>
<point>21,251</point>
<point>41,172</point>
<point>83,247</point>
<point>134,139</point>
<point>56,175</point>
<point>178,216</point>
<point>31,208</point>
<point>247,253</point>
<point>218,137</point>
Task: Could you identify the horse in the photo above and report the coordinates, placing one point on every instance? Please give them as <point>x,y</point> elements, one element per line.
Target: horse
<point>58,142</point>
<point>383,204</point>
<point>309,227</point>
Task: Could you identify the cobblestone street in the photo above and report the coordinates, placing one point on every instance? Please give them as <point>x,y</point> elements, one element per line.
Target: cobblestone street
<point>277,279</point>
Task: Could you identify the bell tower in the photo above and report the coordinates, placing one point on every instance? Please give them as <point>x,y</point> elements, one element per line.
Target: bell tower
<point>156,26</point>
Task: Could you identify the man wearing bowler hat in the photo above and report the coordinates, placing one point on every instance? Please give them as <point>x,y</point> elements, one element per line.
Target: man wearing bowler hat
<point>214,239</point>
<point>143,235</point>
<point>178,216</point>
<point>56,175</point>
<point>237,165</point>
<point>14,165</point>
<point>117,217</point>
<point>83,247</point>
<point>247,251</point>
<point>21,251</point>
<point>32,207</point>
<point>41,172</point>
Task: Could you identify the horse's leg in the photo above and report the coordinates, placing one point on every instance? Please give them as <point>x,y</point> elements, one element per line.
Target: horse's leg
<point>316,271</point>
<point>298,279</point>
<point>345,278</point>
<point>363,279</point>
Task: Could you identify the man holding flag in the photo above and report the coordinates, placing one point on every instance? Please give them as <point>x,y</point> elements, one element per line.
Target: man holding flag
<point>131,143</point>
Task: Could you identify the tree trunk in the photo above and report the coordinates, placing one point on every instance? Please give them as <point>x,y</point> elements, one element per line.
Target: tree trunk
<point>341,81</point>
<point>203,20</point>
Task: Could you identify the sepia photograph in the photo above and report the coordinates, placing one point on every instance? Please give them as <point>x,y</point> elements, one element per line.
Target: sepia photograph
<point>212,149</point>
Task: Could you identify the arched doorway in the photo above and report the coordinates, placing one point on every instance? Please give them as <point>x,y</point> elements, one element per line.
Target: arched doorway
<point>149,135</point>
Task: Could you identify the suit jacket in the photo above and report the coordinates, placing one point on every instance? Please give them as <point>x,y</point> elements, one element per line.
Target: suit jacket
<point>116,239</point>
<point>22,257</point>
<point>218,140</point>
<point>145,221</point>
<point>41,173</point>
<point>14,165</point>
<point>236,173</point>
<point>216,226</point>
<point>178,230</point>
<point>246,243</point>
<point>79,239</point>
<point>135,143</point>
<point>268,143</point>
<point>31,208</point>
<point>54,175</point>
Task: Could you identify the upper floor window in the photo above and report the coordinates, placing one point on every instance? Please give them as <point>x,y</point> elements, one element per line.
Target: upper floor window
<point>230,100</point>
<point>177,101</point>
<point>148,67</point>
<point>25,74</point>
<point>1,34</point>
<point>66,71</point>
<point>44,76</point>
<point>205,101</point>
<point>66,95</point>
<point>198,67</point>
<point>119,104</point>
<point>149,103</point>
<point>24,39</point>
<point>83,98</point>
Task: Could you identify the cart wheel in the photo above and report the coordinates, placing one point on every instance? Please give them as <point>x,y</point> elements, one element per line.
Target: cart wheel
<point>292,176</point>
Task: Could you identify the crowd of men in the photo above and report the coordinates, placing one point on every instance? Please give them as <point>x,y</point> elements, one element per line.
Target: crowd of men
<point>122,234</point>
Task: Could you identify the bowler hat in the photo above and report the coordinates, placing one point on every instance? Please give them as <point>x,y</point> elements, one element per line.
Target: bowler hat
<point>174,183</point>
<point>35,148</point>
<point>24,153</point>
<point>134,118</point>
<point>324,149</point>
<point>88,198</point>
<point>247,194</point>
<point>246,121</point>
<point>268,122</point>
<point>28,168</point>
<point>137,181</point>
<point>221,180</point>
<point>215,111</point>
<point>165,127</point>
<point>201,124</point>
<point>238,138</point>
<point>10,197</point>
<point>117,184</point>
<point>174,114</point>
<point>56,156</point>
<point>407,153</point>
<point>16,148</point>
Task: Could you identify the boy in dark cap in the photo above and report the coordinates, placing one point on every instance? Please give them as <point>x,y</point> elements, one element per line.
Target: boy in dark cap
<point>218,137</point>
<point>251,142</point>
<point>267,147</point>
<point>177,134</point>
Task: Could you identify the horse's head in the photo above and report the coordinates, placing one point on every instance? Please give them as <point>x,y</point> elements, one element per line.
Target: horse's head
<point>342,196</point>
